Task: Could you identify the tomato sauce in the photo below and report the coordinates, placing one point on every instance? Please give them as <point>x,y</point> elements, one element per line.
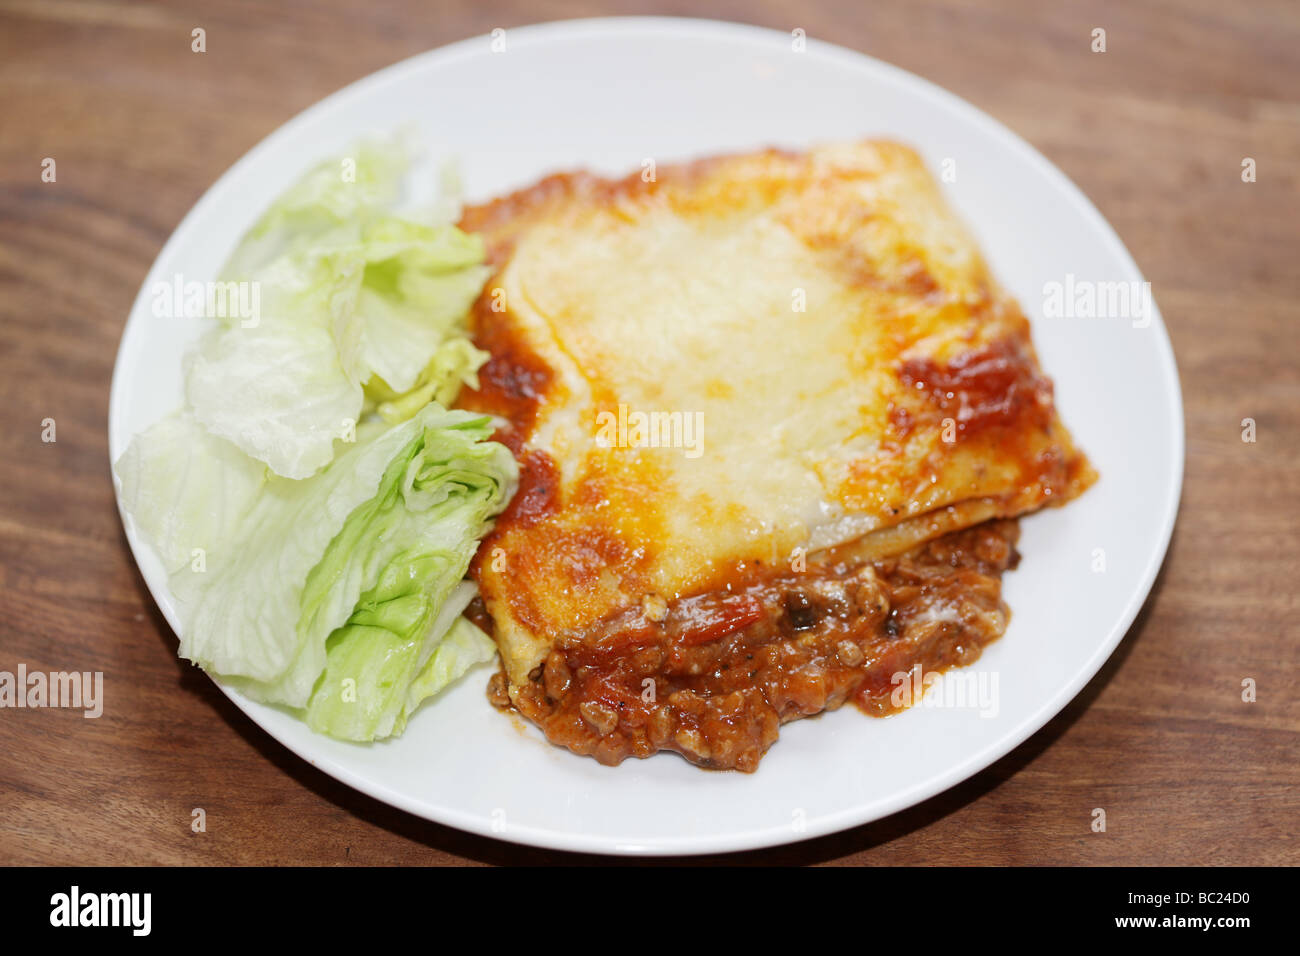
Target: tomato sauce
<point>713,676</point>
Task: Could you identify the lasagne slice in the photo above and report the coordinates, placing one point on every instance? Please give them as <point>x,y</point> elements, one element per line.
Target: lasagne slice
<point>773,415</point>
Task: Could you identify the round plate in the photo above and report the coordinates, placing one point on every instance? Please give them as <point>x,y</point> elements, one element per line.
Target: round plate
<point>605,95</point>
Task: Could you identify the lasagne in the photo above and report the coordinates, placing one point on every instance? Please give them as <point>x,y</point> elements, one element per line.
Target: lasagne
<point>775,421</point>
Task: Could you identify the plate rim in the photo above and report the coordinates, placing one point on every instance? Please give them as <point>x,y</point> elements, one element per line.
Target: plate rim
<point>557,839</point>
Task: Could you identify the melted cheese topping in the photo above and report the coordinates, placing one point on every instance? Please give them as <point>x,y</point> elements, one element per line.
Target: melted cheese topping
<point>815,332</point>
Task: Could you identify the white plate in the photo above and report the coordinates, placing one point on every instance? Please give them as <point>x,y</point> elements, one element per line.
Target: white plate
<point>605,95</point>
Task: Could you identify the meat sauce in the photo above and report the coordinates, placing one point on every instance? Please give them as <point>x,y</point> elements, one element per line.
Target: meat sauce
<point>714,676</point>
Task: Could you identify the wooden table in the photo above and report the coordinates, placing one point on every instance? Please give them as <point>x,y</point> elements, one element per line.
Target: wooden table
<point>1154,130</point>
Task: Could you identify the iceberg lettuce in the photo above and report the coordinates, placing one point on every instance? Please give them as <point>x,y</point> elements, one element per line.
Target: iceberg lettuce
<point>381,666</point>
<point>315,504</point>
<point>356,306</point>
<point>337,594</point>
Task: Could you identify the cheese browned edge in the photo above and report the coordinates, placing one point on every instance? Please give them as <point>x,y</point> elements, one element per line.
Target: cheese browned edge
<point>864,384</point>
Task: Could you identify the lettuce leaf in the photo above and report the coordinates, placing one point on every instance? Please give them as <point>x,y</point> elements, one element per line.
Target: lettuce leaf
<point>315,504</point>
<point>381,666</point>
<point>348,295</point>
<point>456,363</point>
<point>185,489</point>
<point>363,558</point>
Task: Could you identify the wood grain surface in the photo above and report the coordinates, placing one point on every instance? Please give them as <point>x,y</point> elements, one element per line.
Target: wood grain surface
<point>1154,130</point>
